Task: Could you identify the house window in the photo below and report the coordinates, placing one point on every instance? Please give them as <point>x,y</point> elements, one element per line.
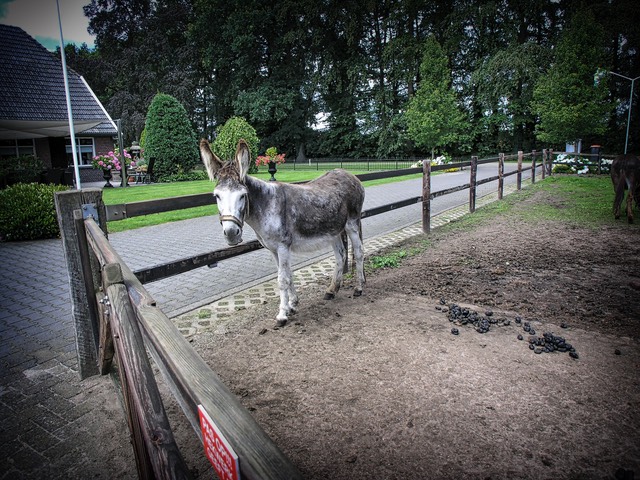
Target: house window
<point>84,147</point>
<point>17,147</point>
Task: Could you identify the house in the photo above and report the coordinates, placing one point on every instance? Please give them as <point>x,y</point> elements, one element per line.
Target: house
<point>33,110</point>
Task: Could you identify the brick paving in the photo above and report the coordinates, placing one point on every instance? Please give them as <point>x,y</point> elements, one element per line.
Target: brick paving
<point>55,426</point>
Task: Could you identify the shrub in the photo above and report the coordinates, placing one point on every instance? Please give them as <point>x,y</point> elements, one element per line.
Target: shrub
<point>21,169</point>
<point>562,168</point>
<point>227,137</point>
<point>169,137</point>
<point>184,176</point>
<point>576,164</point>
<point>27,212</point>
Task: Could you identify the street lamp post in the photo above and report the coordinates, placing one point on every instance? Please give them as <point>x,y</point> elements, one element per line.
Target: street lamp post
<point>632,80</point>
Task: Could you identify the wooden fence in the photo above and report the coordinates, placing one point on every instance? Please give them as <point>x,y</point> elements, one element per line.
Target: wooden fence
<point>117,321</point>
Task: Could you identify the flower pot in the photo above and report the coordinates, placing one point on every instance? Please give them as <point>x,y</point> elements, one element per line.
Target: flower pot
<point>107,175</point>
<point>272,171</point>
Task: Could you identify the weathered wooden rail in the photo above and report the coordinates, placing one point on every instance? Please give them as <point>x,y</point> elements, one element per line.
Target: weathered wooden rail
<point>165,270</point>
<point>117,322</point>
<point>122,323</point>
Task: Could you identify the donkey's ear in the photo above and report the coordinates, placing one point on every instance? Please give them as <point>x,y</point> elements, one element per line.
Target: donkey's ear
<point>243,159</point>
<point>210,160</point>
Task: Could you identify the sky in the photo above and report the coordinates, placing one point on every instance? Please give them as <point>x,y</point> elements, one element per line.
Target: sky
<point>39,18</point>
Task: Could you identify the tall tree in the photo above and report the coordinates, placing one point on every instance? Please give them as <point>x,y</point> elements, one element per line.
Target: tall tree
<point>394,34</point>
<point>343,76</point>
<point>353,63</point>
<point>568,102</point>
<point>143,48</point>
<point>433,117</point>
<point>257,65</point>
<point>620,20</point>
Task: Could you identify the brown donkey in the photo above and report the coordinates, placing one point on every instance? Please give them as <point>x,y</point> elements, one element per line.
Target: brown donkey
<point>625,175</point>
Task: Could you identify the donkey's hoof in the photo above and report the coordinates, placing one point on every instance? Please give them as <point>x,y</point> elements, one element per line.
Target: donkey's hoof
<point>357,293</point>
<point>281,322</point>
<point>329,296</point>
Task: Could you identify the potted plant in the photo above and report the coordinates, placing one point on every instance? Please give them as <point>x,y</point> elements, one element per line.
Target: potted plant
<point>271,158</point>
<point>108,163</point>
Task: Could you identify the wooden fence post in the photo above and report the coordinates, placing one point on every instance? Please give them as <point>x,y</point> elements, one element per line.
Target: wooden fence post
<point>500,175</point>
<point>86,323</point>
<point>544,163</point>
<point>90,275</point>
<point>426,196</point>
<point>472,184</point>
<point>533,166</point>
<point>550,154</point>
<point>519,175</point>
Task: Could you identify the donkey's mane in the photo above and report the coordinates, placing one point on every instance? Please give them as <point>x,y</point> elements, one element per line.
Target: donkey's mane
<point>228,171</point>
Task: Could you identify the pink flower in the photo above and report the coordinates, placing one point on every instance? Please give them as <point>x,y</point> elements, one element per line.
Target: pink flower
<point>271,155</point>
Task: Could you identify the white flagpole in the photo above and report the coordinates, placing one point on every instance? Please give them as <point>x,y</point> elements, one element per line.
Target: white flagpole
<point>66,89</point>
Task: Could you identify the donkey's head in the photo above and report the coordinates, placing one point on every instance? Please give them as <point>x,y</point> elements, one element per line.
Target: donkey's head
<point>230,192</point>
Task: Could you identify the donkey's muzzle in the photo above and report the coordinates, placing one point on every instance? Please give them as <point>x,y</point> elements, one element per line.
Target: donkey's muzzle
<point>232,229</point>
<point>233,236</point>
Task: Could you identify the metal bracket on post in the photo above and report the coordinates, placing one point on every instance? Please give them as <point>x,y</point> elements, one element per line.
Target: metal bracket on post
<point>89,210</point>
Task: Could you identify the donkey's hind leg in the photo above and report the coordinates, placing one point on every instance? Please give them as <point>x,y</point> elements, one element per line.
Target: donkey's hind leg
<point>336,282</point>
<point>619,196</point>
<point>630,204</point>
<point>354,230</point>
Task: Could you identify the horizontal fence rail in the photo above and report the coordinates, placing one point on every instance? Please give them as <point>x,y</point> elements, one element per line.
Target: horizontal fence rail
<point>165,270</point>
<point>367,164</point>
<point>117,320</point>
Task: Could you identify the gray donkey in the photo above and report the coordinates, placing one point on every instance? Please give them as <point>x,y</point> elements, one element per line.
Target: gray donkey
<point>289,217</point>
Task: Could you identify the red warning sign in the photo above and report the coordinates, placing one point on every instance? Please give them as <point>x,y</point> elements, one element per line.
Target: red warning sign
<point>217,449</point>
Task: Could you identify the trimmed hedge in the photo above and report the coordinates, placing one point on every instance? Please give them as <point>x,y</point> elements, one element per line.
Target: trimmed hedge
<point>169,137</point>
<point>28,212</point>
<point>184,176</point>
<point>228,135</point>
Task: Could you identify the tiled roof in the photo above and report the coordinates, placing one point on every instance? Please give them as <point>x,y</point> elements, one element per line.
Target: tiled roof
<point>32,84</point>
<point>104,128</point>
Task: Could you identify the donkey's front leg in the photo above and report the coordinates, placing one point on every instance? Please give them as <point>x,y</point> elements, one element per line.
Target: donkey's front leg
<point>288,295</point>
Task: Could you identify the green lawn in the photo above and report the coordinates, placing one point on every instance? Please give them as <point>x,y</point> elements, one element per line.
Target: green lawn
<point>575,200</point>
<point>137,193</point>
<point>591,198</point>
<point>585,201</point>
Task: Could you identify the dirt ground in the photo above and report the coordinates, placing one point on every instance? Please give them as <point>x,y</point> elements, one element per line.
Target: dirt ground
<point>378,387</point>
